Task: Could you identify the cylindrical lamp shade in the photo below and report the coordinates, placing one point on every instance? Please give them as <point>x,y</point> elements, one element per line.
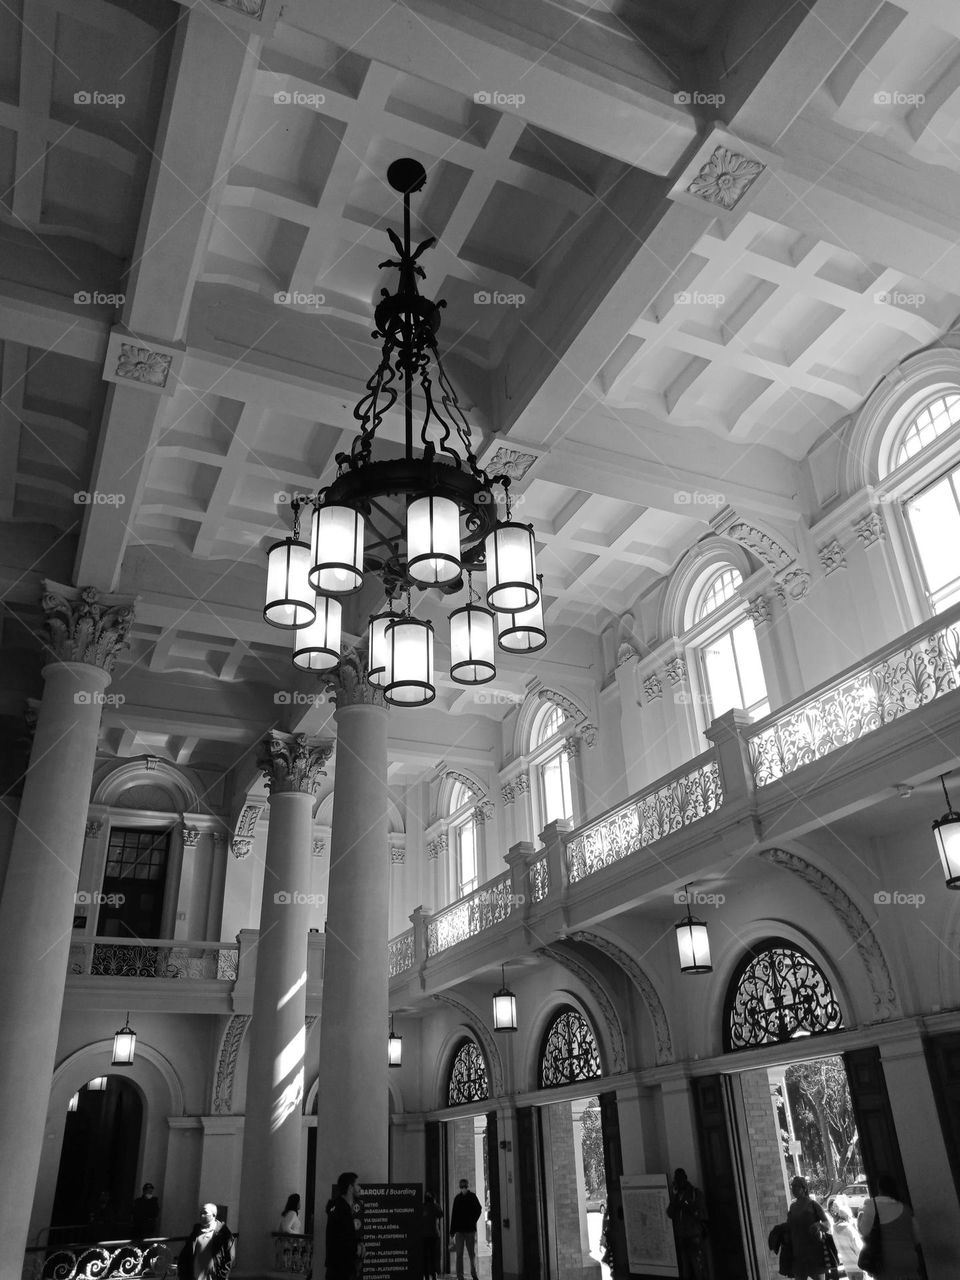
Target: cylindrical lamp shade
<point>378,672</point>
<point>289,594</point>
<point>472,645</point>
<point>947,832</point>
<point>97,1085</point>
<point>693,945</point>
<point>317,647</point>
<point>394,1050</point>
<point>504,1010</point>
<point>511,561</point>
<point>409,663</point>
<point>74,1102</point>
<point>124,1046</point>
<point>433,540</point>
<point>522,632</point>
<point>336,550</point>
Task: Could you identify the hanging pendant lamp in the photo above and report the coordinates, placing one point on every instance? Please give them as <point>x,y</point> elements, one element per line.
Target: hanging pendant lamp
<point>504,1006</point>
<point>693,943</point>
<point>336,550</point>
<point>394,1047</point>
<point>947,832</point>
<point>409,662</point>
<point>316,647</point>
<point>124,1045</point>
<point>472,641</point>
<point>433,540</point>
<point>289,600</point>
<point>522,632</point>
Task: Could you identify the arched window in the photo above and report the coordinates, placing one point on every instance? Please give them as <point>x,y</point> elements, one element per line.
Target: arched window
<point>933,420</point>
<point>468,1076</point>
<point>551,765</point>
<point>569,1052</point>
<point>463,839</point>
<point>731,671</point>
<point>778,993</point>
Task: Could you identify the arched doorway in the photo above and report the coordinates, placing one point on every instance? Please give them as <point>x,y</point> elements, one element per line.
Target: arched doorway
<point>96,1182</point>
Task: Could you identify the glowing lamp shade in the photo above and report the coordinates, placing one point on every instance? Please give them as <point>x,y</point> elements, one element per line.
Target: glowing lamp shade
<point>74,1102</point>
<point>511,567</point>
<point>317,647</point>
<point>124,1045</point>
<point>336,550</point>
<point>433,540</point>
<point>522,632</point>
<point>409,663</point>
<point>693,945</point>
<point>504,1007</point>
<point>377,648</point>
<point>947,832</point>
<point>394,1047</point>
<point>97,1085</point>
<point>289,594</point>
<point>472,645</point>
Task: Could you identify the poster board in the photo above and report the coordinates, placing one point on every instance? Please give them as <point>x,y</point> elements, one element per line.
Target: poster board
<point>651,1250</point>
<point>391,1230</point>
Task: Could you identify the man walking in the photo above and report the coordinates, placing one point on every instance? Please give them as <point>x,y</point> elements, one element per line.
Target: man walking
<point>690,1225</point>
<point>464,1216</point>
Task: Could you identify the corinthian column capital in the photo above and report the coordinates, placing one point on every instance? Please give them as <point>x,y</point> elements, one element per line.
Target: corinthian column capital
<point>84,626</point>
<point>292,762</point>
<point>349,683</point>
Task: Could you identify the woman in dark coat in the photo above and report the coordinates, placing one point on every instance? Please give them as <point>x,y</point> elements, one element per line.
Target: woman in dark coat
<point>807,1223</point>
<point>344,1244</point>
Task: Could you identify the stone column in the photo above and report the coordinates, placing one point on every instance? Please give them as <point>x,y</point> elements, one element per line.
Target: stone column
<point>272,1167</point>
<point>353,1110</point>
<point>84,634</point>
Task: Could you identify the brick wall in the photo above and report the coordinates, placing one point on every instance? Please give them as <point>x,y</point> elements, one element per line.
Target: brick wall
<point>765,1154</point>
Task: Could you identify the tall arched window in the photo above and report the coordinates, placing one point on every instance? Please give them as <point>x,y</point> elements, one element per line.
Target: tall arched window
<point>932,511</point>
<point>551,764</point>
<point>468,1080</point>
<point>731,671</point>
<point>778,993</point>
<point>569,1051</point>
<point>464,840</point>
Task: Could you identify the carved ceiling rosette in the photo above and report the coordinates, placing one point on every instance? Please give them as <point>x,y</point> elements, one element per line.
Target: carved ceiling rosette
<point>292,762</point>
<point>83,626</point>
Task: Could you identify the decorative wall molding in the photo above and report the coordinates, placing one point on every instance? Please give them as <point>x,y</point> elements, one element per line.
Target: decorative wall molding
<point>227,1063</point>
<point>242,842</point>
<point>571,747</point>
<point>652,688</point>
<point>648,992</point>
<point>513,463</point>
<point>84,626</point>
<point>92,829</point>
<point>615,1037</point>
<point>886,1003</point>
<point>191,837</point>
<point>758,609</point>
<point>398,855</point>
<point>676,669</point>
<point>349,685</point>
<point>791,578</point>
<point>437,846</point>
<point>318,848</point>
<point>627,652</point>
<point>293,761</point>
<point>485,1037</point>
<point>869,529</point>
<point>725,178</point>
<point>832,557</point>
<point>588,734</point>
<point>484,811</point>
<point>508,792</point>
<point>522,783</point>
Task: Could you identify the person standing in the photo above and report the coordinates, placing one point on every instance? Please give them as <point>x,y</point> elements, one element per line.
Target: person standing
<point>690,1224</point>
<point>146,1213</point>
<point>464,1215</point>
<point>289,1224</point>
<point>208,1253</point>
<point>430,1218</point>
<point>900,1259</point>
<point>807,1224</point>
<point>344,1236</point>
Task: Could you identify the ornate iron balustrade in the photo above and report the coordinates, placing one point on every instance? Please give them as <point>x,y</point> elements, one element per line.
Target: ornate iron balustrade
<point>910,673</point>
<point>681,800</point>
<point>292,1253</point>
<point>133,1258</point>
<point>487,906</point>
<point>400,953</point>
<point>154,958</point>
<point>538,874</point>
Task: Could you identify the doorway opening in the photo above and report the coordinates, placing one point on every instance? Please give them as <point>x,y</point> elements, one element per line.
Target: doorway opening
<point>97,1179</point>
<point>468,1157</point>
<point>574,1190</point>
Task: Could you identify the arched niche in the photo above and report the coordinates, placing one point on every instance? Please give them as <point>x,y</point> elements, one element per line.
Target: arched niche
<point>154,779</point>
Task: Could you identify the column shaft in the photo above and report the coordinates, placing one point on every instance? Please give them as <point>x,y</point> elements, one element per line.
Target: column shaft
<point>36,921</point>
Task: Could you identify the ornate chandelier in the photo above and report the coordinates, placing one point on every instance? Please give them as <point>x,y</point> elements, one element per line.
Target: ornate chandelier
<point>425,519</point>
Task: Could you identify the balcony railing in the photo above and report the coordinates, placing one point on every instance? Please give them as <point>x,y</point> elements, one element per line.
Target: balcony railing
<point>400,953</point>
<point>684,798</point>
<point>292,1253</point>
<point>105,1258</point>
<point>155,958</point>
<point>539,876</point>
<point>910,673</point>
<point>485,907</point>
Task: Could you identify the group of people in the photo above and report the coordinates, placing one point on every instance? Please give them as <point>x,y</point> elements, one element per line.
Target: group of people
<point>804,1241</point>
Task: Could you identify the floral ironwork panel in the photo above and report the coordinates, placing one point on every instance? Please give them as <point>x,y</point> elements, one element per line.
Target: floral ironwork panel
<point>468,1076</point>
<point>779,994</point>
<point>400,953</point>
<point>570,1051</point>
<point>884,690</point>
<point>484,908</point>
<point>539,880</point>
